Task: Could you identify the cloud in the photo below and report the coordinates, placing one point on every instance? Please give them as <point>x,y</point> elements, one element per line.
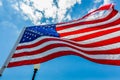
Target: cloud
<point>36,10</point>
<point>107,1</point>
<point>64,5</point>
<point>30,13</point>
<point>97,1</point>
<point>100,14</point>
<point>1,3</point>
<point>6,25</point>
<point>104,1</point>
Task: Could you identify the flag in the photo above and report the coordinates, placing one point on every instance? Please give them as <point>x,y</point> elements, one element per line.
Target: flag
<point>97,40</point>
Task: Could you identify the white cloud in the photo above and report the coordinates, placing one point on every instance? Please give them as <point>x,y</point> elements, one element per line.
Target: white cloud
<point>12,27</point>
<point>15,6</point>
<point>45,6</point>
<point>64,5</point>
<point>107,1</point>
<point>30,13</point>
<point>104,1</point>
<point>1,3</point>
<point>100,14</point>
<point>96,15</point>
<point>97,1</point>
<point>68,17</point>
<point>35,10</point>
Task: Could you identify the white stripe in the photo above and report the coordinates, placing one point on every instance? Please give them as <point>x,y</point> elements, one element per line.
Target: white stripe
<point>116,17</point>
<point>88,33</point>
<point>106,47</point>
<point>54,50</point>
<point>101,38</point>
<point>74,22</point>
<point>93,40</point>
<point>34,41</point>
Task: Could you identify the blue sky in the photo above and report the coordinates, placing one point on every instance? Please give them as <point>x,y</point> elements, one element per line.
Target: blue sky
<point>16,14</point>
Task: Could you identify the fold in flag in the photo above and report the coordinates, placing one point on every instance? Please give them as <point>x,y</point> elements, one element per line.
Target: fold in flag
<point>97,40</point>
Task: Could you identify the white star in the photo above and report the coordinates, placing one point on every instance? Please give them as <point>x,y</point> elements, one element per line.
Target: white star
<point>23,40</point>
<point>32,34</point>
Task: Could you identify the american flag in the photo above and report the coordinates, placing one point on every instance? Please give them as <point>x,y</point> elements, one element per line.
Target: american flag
<point>97,40</point>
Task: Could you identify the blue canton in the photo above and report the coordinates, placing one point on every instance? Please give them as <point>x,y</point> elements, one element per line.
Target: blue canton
<point>34,32</point>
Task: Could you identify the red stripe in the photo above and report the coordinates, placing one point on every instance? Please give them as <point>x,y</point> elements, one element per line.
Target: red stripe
<point>104,42</point>
<point>97,44</point>
<point>87,22</point>
<point>33,45</point>
<point>40,60</point>
<point>97,34</point>
<point>48,47</point>
<point>58,54</point>
<point>111,6</point>
<point>51,46</point>
<point>106,7</point>
<point>117,22</point>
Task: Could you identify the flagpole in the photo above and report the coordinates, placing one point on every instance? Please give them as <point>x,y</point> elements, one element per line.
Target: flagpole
<point>34,74</point>
<point>36,68</point>
<point>11,53</point>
